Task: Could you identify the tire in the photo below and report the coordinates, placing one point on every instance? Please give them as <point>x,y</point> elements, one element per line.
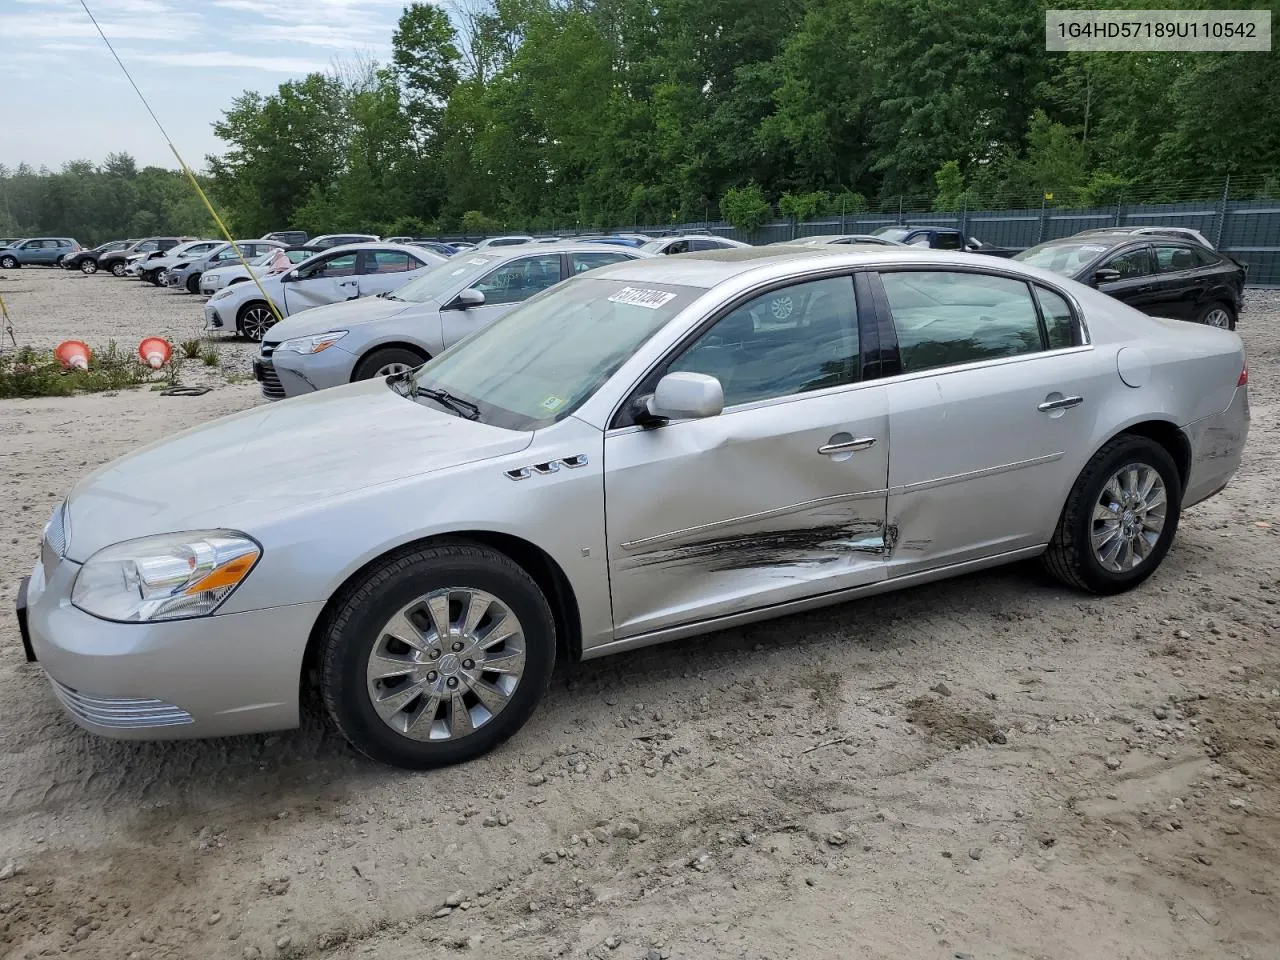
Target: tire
<point>384,362</point>
<point>9,262</point>
<point>89,267</point>
<point>255,319</point>
<point>158,278</point>
<point>1220,315</point>
<point>396,591</point>
<point>1074,556</point>
<point>193,283</point>
<point>58,263</point>
<point>118,268</point>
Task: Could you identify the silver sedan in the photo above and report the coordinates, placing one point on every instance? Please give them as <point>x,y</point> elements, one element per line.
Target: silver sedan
<point>379,336</point>
<point>656,449</point>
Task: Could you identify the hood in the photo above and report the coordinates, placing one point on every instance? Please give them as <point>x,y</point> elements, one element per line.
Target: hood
<point>338,316</point>
<point>219,273</point>
<point>250,468</point>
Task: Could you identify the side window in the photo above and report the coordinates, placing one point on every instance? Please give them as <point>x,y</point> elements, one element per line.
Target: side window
<point>387,261</point>
<point>579,262</point>
<point>679,246</point>
<point>147,247</point>
<point>1134,263</point>
<point>343,265</point>
<point>949,241</point>
<point>1204,258</point>
<point>949,317</point>
<point>1170,259</point>
<point>784,342</point>
<point>1059,325</point>
<point>520,279</point>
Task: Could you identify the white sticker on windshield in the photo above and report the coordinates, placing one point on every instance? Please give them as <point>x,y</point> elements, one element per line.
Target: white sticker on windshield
<point>649,299</point>
<point>477,261</point>
<point>1094,248</point>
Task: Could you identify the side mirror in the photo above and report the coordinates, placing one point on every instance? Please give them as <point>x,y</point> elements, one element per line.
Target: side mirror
<point>685,396</point>
<point>468,298</point>
<point>1106,275</point>
<point>289,276</point>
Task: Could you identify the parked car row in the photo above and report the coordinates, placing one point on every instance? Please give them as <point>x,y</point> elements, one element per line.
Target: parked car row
<point>643,448</point>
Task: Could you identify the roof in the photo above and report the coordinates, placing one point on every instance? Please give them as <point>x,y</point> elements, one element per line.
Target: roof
<point>710,268</point>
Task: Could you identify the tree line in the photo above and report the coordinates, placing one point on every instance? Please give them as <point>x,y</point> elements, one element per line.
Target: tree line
<point>555,114</point>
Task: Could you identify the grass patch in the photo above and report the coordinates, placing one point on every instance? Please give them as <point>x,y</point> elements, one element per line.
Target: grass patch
<point>30,373</point>
<point>191,349</point>
<point>211,357</point>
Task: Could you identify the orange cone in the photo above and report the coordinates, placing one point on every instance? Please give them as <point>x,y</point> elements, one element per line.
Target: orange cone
<point>155,352</point>
<point>73,354</point>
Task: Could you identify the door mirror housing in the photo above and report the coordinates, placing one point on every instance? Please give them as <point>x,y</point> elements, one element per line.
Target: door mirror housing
<point>1105,275</point>
<point>685,396</point>
<point>289,276</point>
<point>468,298</point>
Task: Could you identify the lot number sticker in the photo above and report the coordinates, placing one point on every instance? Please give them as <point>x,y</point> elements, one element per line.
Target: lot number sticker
<point>649,299</point>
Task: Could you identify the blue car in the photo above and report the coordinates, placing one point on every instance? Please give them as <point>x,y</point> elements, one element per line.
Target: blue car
<point>37,251</point>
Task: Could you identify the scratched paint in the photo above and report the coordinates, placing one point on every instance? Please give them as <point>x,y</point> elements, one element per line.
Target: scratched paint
<point>819,544</point>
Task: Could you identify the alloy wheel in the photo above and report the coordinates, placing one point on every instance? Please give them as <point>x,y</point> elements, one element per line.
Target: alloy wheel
<point>257,320</point>
<point>1129,517</point>
<point>118,269</point>
<point>390,369</point>
<point>88,267</point>
<point>1219,318</point>
<point>446,664</point>
<point>9,262</point>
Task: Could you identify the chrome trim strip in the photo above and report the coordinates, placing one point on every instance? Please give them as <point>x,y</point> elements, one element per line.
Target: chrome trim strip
<point>746,518</point>
<point>120,712</point>
<point>807,603</point>
<point>919,485</point>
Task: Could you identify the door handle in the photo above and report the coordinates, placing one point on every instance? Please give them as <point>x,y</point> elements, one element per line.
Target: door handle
<point>1062,403</point>
<point>847,446</point>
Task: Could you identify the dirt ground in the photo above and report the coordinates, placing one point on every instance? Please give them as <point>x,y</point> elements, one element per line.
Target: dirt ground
<point>991,767</point>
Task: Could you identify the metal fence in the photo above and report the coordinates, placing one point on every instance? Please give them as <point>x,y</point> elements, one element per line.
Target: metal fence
<point>1247,230</point>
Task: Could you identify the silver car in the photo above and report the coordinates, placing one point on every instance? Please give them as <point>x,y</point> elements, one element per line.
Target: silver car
<point>691,243</point>
<point>185,273</point>
<point>379,336</point>
<point>659,448</point>
<point>824,238</point>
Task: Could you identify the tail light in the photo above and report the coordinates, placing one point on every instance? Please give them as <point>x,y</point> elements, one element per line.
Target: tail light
<point>1244,375</point>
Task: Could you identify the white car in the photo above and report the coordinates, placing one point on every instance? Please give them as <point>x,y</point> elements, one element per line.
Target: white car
<point>341,239</point>
<point>690,243</point>
<point>511,241</point>
<point>343,273</point>
<point>211,281</point>
<point>156,269</point>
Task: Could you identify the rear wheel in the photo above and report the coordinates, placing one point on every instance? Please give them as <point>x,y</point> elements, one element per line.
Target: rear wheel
<point>437,656</point>
<point>9,262</point>
<point>255,319</point>
<point>193,283</point>
<point>89,266</point>
<point>58,263</point>
<point>118,268</point>
<point>1119,519</point>
<point>385,362</point>
<point>1218,315</point>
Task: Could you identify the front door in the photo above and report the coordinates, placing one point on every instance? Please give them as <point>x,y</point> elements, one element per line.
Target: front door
<point>990,416</point>
<point>1136,285</point>
<point>382,271</point>
<point>504,288</point>
<point>330,279</point>
<point>781,496</point>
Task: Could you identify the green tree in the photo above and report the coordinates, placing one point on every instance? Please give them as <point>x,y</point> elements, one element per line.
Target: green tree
<point>745,207</point>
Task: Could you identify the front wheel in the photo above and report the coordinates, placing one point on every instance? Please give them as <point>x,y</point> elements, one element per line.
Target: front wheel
<point>437,656</point>
<point>385,362</point>
<point>88,267</point>
<point>159,278</point>
<point>193,283</point>
<point>1119,519</point>
<point>9,262</point>
<point>255,320</point>
<point>118,268</point>
<point>1218,315</point>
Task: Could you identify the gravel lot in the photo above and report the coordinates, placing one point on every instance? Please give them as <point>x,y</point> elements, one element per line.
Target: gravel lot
<point>991,767</point>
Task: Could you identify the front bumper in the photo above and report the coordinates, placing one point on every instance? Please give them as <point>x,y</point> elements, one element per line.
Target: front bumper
<point>204,677</point>
<point>216,322</point>
<point>293,374</point>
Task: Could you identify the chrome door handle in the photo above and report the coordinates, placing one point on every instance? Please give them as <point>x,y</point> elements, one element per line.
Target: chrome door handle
<point>848,446</point>
<point>1062,403</point>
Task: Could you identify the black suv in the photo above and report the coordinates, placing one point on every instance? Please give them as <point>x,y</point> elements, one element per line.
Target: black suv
<point>1164,276</point>
<point>117,261</point>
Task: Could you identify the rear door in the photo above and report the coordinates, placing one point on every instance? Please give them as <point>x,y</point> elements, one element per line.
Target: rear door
<point>330,279</point>
<point>990,414</point>
<point>582,262</point>
<point>504,288</point>
<point>382,271</point>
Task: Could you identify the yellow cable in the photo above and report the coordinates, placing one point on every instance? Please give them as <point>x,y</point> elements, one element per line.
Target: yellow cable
<point>8,324</point>
<point>185,169</point>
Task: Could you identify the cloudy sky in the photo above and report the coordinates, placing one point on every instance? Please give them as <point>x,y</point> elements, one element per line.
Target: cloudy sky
<point>65,98</point>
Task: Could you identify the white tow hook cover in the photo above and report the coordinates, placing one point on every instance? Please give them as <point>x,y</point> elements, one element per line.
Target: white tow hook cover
<point>1133,366</point>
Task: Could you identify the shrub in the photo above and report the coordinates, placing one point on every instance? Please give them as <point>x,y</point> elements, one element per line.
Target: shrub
<point>28,373</point>
<point>211,357</point>
<point>191,348</point>
<point>745,207</point>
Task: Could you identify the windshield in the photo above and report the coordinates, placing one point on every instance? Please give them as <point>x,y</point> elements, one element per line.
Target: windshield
<point>1062,256</point>
<point>436,283</point>
<point>539,362</point>
<point>891,233</point>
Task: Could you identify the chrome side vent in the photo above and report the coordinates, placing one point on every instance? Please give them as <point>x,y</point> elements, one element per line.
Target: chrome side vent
<point>547,467</point>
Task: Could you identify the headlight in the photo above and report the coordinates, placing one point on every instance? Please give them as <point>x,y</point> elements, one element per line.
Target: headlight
<point>222,294</point>
<point>169,577</point>
<point>314,344</point>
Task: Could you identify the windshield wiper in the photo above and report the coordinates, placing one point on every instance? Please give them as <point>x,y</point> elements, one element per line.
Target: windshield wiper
<point>463,408</point>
